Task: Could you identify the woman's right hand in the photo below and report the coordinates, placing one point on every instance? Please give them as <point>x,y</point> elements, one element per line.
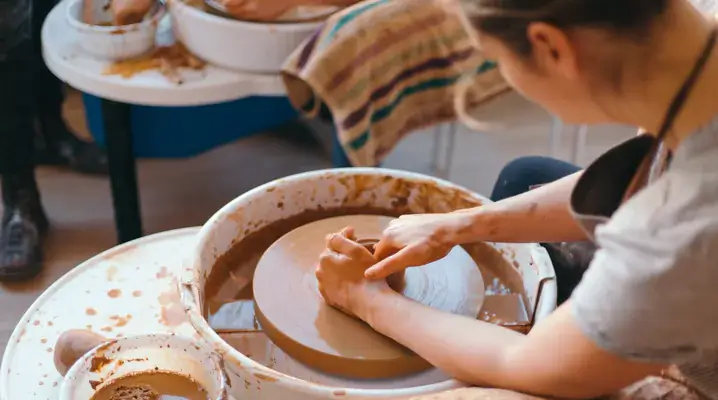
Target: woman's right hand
<point>416,240</point>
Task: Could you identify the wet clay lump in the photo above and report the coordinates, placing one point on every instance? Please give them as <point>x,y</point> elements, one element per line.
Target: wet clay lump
<point>72,345</point>
<point>295,317</point>
<point>152,386</point>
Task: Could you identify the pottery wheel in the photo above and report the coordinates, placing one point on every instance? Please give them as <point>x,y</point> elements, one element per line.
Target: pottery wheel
<point>295,317</point>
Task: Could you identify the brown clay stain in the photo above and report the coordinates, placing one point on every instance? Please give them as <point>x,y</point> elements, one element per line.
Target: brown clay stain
<point>43,340</point>
<point>36,323</point>
<point>106,329</point>
<point>114,293</point>
<point>98,362</point>
<point>111,272</point>
<point>172,313</point>
<point>163,273</point>
<point>120,320</point>
<point>339,393</point>
<point>532,208</point>
<point>265,377</point>
<point>22,333</point>
<point>91,311</point>
<point>94,384</point>
<point>137,293</point>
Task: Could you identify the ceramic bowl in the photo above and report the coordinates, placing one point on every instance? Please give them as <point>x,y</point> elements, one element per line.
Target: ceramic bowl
<point>113,43</point>
<point>268,371</point>
<point>145,353</point>
<point>237,45</point>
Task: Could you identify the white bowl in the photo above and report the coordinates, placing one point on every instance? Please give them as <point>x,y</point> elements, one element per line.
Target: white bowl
<point>146,353</point>
<point>113,43</point>
<point>237,45</point>
<point>251,357</point>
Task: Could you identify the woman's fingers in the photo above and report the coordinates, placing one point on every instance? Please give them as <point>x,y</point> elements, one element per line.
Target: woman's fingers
<point>389,265</point>
<point>343,245</point>
<point>348,233</point>
<point>384,249</point>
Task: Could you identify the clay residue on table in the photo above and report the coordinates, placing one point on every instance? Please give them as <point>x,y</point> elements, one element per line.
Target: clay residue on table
<point>168,60</point>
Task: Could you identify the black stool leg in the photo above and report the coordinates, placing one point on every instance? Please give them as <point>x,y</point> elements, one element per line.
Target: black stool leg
<point>123,175</point>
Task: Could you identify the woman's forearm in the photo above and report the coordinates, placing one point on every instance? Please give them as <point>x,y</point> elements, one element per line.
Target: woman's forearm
<point>462,347</point>
<point>539,215</point>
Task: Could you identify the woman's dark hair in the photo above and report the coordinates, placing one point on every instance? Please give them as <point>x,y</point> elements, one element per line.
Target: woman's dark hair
<point>508,20</point>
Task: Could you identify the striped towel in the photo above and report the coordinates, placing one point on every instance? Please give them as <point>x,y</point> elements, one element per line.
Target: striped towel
<point>384,68</point>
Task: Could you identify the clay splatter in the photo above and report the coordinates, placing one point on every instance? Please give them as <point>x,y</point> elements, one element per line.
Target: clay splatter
<point>137,293</point>
<point>111,272</point>
<point>114,293</point>
<point>163,273</point>
<point>265,377</point>
<point>173,313</point>
<point>121,321</point>
<point>91,311</point>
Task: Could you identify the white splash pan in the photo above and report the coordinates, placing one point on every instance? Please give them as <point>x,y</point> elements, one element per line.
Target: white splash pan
<point>351,187</point>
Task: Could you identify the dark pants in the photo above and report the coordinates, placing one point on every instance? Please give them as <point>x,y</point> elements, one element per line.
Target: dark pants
<point>27,88</point>
<point>570,260</point>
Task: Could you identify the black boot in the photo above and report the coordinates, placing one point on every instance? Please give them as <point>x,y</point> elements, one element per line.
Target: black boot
<point>23,229</point>
<point>55,144</point>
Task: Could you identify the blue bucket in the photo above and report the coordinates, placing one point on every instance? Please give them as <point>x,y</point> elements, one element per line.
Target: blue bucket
<point>177,132</point>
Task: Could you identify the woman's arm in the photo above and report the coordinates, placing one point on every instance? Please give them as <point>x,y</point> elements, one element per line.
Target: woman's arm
<point>555,359</point>
<point>539,215</point>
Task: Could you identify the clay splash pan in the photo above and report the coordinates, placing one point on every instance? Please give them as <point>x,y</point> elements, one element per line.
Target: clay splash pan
<point>294,316</point>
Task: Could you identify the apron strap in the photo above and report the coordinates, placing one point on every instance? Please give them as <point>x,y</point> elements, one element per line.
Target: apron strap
<point>682,95</point>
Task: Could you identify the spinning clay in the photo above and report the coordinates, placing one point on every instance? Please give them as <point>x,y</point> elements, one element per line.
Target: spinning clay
<point>293,314</point>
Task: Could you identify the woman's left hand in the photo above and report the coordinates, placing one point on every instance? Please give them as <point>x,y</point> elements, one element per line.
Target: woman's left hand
<point>340,274</point>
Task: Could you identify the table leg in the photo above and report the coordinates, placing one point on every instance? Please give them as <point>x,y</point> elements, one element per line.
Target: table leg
<point>123,175</point>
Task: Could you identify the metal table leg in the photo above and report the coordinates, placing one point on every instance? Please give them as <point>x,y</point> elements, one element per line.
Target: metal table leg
<point>123,175</point>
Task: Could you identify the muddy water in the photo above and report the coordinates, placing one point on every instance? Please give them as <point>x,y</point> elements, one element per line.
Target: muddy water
<point>228,292</point>
<point>152,386</point>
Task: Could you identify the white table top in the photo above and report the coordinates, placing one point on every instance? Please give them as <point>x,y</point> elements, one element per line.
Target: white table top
<point>136,280</point>
<point>66,60</point>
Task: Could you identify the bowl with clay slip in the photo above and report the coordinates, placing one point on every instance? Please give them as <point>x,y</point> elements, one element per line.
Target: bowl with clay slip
<point>208,30</point>
<point>130,357</point>
<point>99,37</point>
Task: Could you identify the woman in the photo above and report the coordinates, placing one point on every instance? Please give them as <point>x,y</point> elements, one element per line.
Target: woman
<point>30,111</point>
<point>651,205</point>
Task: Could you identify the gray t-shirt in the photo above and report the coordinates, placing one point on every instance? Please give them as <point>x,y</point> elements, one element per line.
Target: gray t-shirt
<point>651,292</point>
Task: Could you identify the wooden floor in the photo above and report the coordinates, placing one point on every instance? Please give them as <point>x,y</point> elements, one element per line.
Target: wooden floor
<point>81,213</point>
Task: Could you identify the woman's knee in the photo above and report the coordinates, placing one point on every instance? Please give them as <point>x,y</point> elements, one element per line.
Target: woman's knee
<point>519,175</point>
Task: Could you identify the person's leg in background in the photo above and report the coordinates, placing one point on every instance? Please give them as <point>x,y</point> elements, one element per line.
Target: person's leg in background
<point>23,220</point>
<point>55,144</point>
<point>570,260</point>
